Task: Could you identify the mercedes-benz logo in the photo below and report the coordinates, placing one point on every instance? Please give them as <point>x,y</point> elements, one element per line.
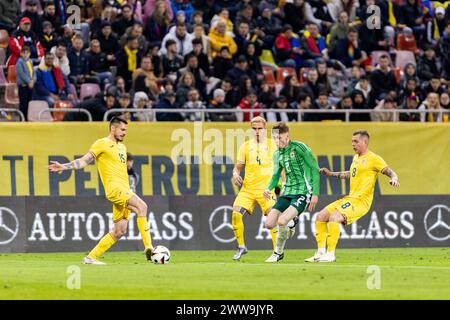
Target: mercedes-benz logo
<point>220,224</point>
<point>9,225</point>
<point>437,220</point>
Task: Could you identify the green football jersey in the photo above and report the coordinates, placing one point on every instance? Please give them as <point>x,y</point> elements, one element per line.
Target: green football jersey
<point>301,169</point>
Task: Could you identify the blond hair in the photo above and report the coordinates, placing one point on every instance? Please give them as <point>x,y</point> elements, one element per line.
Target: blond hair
<point>258,119</point>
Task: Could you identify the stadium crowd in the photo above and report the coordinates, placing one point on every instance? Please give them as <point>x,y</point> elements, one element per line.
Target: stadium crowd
<point>225,54</point>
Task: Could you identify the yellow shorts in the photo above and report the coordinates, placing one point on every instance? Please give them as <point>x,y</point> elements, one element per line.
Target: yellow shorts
<point>119,197</point>
<point>352,209</point>
<point>248,200</point>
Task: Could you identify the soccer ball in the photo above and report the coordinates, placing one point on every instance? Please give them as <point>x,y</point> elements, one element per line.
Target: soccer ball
<point>161,255</point>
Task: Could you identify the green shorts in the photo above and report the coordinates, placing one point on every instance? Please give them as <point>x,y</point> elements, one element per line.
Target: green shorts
<point>299,202</point>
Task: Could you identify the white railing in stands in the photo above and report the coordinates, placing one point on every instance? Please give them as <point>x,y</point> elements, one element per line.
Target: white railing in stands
<point>65,110</point>
<point>20,113</point>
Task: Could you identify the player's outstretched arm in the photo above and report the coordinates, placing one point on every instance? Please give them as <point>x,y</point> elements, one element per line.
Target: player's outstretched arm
<point>79,163</point>
<point>339,174</point>
<point>391,174</point>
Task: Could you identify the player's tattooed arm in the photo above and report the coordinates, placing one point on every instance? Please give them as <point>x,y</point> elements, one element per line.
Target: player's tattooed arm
<point>79,163</point>
<point>339,174</point>
<point>392,175</point>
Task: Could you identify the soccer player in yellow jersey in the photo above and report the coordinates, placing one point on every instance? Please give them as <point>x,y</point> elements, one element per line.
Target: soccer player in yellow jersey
<point>256,155</point>
<point>111,157</point>
<point>363,174</point>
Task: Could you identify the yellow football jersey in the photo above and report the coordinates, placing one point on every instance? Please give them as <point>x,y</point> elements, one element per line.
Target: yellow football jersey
<point>363,175</point>
<point>257,158</point>
<point>111,158</point>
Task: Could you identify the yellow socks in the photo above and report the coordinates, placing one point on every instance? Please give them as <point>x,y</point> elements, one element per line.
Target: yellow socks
<point>238,228</point>
<point>334,232</point>
<point>274,233</point>
<point>145,231</point>
<point>104,244</point>
<point>321,235</point>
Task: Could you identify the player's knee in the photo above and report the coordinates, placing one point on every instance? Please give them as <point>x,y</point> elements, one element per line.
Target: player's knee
<point>322,216</point>
<point>143,209</point>
<point>282,221</point>
<point>336,217</point>
<point>119,233</point>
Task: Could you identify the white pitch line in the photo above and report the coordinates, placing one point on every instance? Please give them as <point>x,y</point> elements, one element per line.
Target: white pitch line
<point>317,264</point>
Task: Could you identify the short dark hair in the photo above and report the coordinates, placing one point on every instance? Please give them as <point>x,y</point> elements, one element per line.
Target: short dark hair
<point>384,56</point>
<point>180,24</point>
<point>61,44</point>
<point>25,49</point>
<point>197,41</point>
<point>116,120</point>
<point>287,27</point>
<point>362,133</point>
<point>170,42</point>
<point>130,156</point>
<point>126,5</point>
<point>281,127</point>
<point>302,97</point>
<point>352,30</point>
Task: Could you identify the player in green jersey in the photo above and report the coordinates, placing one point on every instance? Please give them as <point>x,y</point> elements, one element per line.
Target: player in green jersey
<point>301,187</point>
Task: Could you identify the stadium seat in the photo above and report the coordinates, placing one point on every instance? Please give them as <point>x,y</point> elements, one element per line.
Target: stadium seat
<point>12,74</point>
<point>282,73</point>
<point>73,90</point>
<point>12,94</point>
<point>303,75</point>
<point>406,42</point>
<point>269,76</point>
<point>59,116</point>
<point>34,107</point>
<point>404,57</point>
<point>267,59</point>
<point>4,39</point>
<point>376,56</point>
<point>89,90</point>
<point>398,74</point>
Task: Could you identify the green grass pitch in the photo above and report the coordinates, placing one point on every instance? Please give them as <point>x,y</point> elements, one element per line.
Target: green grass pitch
<point>405,273</point>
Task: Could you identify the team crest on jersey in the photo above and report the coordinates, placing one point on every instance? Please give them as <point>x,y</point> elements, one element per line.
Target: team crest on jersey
<point>292,154</point>
<point>363,161</point>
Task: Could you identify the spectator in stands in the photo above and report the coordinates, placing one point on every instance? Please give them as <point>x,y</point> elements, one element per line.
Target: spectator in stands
<point>124,101</point>
<point>185,6</point>
<point>128,60</point>
<point>171,61</point>
<point>168,102</point>
<point>133,177</point>
<point>186,82</point>
<point>219,38</point>
<point>413,17</point>
<point>388,103</point>
<point>434,85</point>
<point>150,6</point>
<point>383,79</point>
<point>246,14</point>
<point>322,72</point>
<point>199,33</point>
<point>153,53</point>
<point>98,64</point>
<point>96,106</point>
<point>348,6</point>
<point>435,26</point>
<point>79,63</point>
<point>223,14</point>
<point>61,60</point>
<point>24,36</point>
<point>431,103</point>
<point>146,69</point>
<point>193,102</point>
<point>141,101</point>
<point>222,63</point>
<point>230,93</point>
<point>202,58</point>
<point>411,88</point>
<point>355,76</point>
<point>266,95</point>
<point>254,63</point>
<point>245,85</point>
<point>373,39</point>
<point>409,72</point>
<point>250,102</point>
<point>31,13</point>
<point>359,102</point>
<point>158,22</point>
<point>107,17</point>
<point>444,49</point>
<point>48,38</point>
<point>312,87</point>
<point>125,21</point>
<point>239,70</point>
<point>242,37</point>
<point>9,12</point>
<point>219,103</point>
<point>281,103</point>
<point>108,42</point>
<point>348,50</point>
<point>268,27</point>
<point>182,39</point>
<point>365,87</point>
<point>200,78</point>
<point>444,100</point>
<point>287,48</point>
<point>135,31</point>
<point>291,89</point>
<point>321,15</point>
<point>25,79</point>
<point>51,16</point>
<point>51,83</point>
<point>314,46</point>
<point>428,66</point>
<point>411,103</point>
<point>297,13</point>
<point>339,30</point>
<point>197,20</point>
<point>180,18</point>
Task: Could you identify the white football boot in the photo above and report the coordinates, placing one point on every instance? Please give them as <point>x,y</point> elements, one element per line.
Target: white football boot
<point>275,257</point>
<point>240,252</point>
<point>87,260</point>
<point>315,257</point>
<point>328,257</point>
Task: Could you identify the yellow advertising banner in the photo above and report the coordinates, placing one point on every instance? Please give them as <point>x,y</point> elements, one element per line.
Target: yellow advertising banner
<point>197,158</point>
